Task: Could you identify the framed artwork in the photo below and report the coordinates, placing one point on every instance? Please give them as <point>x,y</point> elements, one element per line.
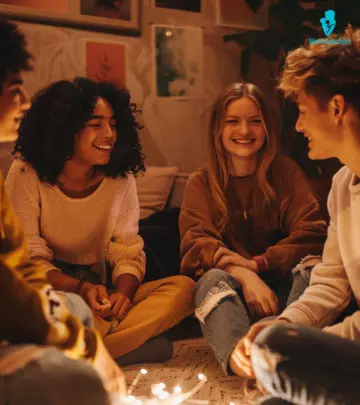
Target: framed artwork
<point>237,14</point>
<point>183,5</point>
<point>106,61</point>
<point>178,61</point>
<point>102,15</point>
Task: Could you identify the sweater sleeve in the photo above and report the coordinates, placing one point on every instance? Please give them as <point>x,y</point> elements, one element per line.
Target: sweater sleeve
<point>200,238</point>
<point>125,252</point>
<point>35,314</point>
<point>22,187</point>
<point>349,328</point>
<point>301,220</point>
<point>329,292</point>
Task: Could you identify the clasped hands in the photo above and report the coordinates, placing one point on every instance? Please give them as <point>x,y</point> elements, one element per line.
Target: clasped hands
<point>260,299</point>
<point>115,305</point>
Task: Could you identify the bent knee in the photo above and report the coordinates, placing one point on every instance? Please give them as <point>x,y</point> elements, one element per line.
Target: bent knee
<point>213,288</point>
<point>182,283</point>
<point>211,279</point>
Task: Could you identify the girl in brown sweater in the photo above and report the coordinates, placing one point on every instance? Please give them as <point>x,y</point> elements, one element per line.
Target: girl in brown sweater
<point>248,217</point>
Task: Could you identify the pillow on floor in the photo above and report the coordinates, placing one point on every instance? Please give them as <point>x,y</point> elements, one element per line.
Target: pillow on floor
<point>154,188</point>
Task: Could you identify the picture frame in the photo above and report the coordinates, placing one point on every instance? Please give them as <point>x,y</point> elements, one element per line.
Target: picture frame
<point>178,61</point>
<point>237,14</point>
<point>94,15</point>
<point>193,6</point>
<point>106,60</point>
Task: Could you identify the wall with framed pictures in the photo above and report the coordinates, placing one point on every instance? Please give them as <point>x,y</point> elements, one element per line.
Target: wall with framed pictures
<point>175,120</point>
<point>102,15</point>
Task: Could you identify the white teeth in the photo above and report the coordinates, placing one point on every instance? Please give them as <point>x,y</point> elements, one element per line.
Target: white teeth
<point>103,147</point>
<point>243,141</point>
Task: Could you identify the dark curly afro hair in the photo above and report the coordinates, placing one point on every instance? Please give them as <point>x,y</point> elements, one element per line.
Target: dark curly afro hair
<point>59,112</point>
<point>14,56</point>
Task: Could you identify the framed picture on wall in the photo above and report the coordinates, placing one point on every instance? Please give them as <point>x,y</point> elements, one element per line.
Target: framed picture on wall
<point>121,16</point>
<point>178,61</point>
<point>183,5</point>
<point>106,61</point>
<point>237,14</point>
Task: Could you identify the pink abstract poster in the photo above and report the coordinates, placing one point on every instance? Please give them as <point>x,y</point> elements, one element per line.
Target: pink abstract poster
<point>106,62</point>
<point>58,6</point>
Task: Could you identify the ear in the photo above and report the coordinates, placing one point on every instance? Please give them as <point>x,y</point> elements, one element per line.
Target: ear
<point>338,107</point>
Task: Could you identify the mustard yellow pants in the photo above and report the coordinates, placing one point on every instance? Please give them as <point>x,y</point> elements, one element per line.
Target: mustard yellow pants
<point>157,306</point>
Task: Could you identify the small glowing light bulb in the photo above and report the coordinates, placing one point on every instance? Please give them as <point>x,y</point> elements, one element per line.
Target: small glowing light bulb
<point>168,33</point>
<point>177,389</point>
<point>164,395</point>
<point>232,403</point>
<point>201,376</point>
<point>162,385</point>
<point>143,371</point>
<point>129,399</point>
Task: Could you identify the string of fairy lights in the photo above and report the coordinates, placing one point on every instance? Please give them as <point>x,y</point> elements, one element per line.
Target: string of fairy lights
<point>161,396</point>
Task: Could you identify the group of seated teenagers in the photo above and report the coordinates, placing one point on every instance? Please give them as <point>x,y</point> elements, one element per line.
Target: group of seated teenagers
<point>253,243</point>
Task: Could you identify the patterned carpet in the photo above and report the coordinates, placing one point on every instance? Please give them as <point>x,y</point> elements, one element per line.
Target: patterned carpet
<point>191,357</point>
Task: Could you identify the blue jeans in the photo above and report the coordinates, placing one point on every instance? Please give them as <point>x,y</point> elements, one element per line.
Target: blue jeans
<point>305,366</point>
<point>54,379</point>
<point>222,311</point>
<point>78,307</point>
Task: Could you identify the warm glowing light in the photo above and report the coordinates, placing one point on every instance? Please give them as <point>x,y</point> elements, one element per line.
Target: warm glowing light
<point>129,399</point>
<point>161,397</point>
<point>168,33</point>
<point>164,395</point>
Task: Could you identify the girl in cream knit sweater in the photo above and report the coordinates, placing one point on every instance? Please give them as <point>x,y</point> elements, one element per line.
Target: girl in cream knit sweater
<point>74,190</point>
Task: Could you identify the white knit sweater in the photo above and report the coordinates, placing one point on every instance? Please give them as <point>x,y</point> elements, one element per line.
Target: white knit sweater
<point>91,230</point>
<point>333,280</point>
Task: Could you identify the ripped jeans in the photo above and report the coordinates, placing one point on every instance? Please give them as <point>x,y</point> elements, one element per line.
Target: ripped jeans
<point>222,311</point>
<point>305,366</point>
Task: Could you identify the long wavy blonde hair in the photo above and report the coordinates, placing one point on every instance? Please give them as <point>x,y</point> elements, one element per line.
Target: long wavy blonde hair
<point>218,160</point>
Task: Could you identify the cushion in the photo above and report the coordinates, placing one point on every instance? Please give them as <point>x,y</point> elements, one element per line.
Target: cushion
<point>154,188</point>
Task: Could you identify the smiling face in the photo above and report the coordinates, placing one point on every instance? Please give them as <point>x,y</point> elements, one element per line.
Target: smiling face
<point>243,132</point>
<point>94,144</point>
<point>13,103</point>
<point>318,126</point>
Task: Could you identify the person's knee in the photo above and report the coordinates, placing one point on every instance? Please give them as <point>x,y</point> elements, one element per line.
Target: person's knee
<point>183,288</point>
<point>212,279</point>
<point>214,287</point>
<point>78,307</point>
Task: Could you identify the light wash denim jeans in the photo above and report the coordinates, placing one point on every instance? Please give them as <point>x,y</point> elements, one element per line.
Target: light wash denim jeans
<point>223,314</point>
<point>78,307</point>
<point>305,366</point>
<point>52,378</point>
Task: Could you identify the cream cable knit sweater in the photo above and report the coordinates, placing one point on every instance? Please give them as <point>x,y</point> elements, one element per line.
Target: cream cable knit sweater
<point>333,280</point>
<point>91,230</point>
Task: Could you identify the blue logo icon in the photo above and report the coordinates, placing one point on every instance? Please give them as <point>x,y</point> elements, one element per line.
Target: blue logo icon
<point>328,22</point>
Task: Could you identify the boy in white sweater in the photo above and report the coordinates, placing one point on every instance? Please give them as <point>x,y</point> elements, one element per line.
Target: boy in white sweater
<point>324,81</point>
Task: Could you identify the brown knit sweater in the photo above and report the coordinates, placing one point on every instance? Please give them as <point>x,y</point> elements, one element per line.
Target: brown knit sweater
<point>294,229</point>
